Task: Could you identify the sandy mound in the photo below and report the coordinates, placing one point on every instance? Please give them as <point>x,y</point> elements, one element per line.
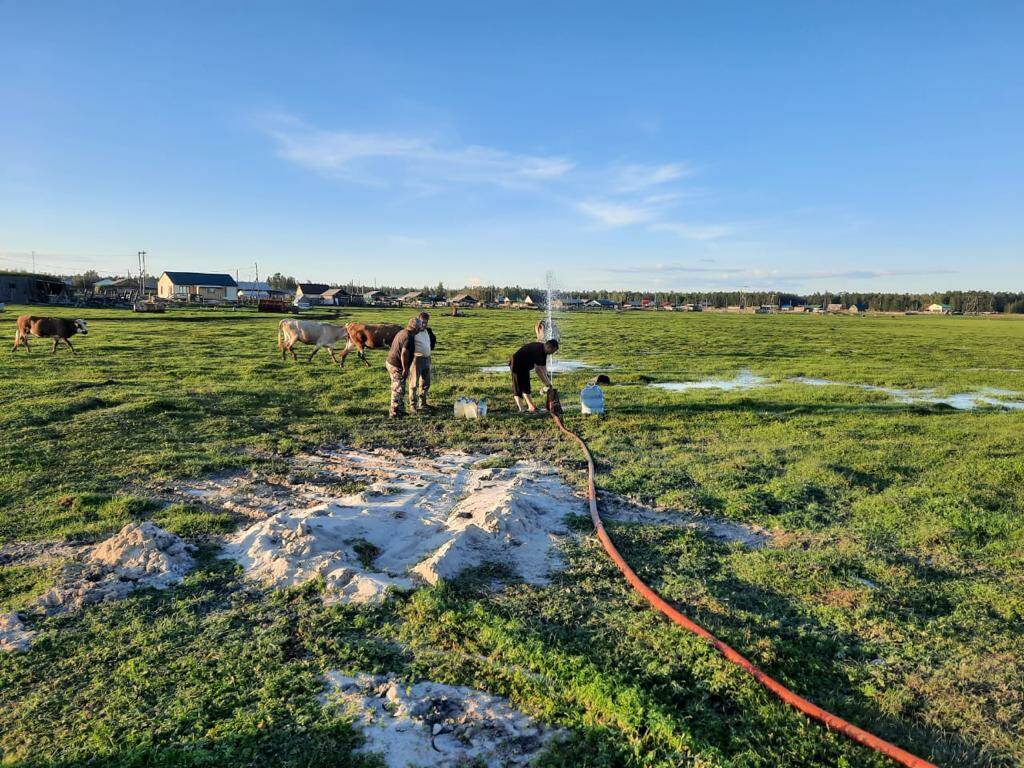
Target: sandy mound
<point>13,635</point>
<point>430,724</point>
<point>139,555</point>
<point>420,519</point>
<point>250,495</point>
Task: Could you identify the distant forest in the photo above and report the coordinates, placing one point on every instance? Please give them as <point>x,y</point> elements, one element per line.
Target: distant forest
<point>959,301</point>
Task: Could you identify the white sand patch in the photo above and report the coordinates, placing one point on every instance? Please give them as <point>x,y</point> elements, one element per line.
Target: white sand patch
<point>431,724</point>
<point>140,555</point>
<point>964,401</point>
<point>242,494</point>
<point>247,494</point>
<point>13,635</point>
<point>554,366</point>
<point>420,520</point>
<point>742,380</point>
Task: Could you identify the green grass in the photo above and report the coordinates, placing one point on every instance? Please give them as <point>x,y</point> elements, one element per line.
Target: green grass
<point>892,594</point>
<point>191,520</point>
<point>20,584</point>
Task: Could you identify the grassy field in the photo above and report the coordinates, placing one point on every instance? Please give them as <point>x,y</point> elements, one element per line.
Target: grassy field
<point>892,592</point>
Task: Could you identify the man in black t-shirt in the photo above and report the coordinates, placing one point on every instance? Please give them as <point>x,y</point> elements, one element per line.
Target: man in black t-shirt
<point>530,357</point>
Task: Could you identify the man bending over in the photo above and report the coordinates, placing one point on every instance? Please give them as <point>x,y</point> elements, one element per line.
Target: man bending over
<point>530,357</point>
<point>400,361</point>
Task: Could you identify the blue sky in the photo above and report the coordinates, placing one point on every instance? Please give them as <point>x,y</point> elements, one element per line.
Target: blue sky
<point>794,146</point>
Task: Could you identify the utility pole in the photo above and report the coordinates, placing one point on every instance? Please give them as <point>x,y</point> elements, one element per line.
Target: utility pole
<point>33,262</point>
<point>257,268</point>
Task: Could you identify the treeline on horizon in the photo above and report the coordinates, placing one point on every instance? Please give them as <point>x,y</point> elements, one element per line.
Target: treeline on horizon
<point>959,301</point>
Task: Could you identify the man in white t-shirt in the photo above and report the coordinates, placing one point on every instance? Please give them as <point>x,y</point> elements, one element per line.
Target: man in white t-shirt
<point>419,376</point>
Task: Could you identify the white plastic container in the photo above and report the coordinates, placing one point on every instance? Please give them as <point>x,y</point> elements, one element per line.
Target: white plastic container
<point>467,408</point>
<point>592,399</point>
<point>476,409</point>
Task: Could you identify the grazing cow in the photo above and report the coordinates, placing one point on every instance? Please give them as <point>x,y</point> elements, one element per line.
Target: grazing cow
<point>309,332</point>
<point>56,328</point>
<point>363,336</point>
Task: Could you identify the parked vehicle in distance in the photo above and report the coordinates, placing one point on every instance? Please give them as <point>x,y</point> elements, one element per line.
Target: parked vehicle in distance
<point>275,305</point>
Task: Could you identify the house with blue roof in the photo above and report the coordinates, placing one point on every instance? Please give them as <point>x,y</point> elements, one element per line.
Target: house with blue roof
<point>188,286</point>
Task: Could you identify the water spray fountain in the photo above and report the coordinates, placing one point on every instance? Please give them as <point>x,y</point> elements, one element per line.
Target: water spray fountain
<point>550,329</point>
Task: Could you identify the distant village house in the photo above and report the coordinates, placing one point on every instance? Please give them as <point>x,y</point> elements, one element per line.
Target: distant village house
<point>206,286</point>
<point>311,293</point>
<point>463,300</point>
<point>340,297</point>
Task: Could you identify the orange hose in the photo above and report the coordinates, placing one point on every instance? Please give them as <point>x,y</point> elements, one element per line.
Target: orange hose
<point>808,708</point>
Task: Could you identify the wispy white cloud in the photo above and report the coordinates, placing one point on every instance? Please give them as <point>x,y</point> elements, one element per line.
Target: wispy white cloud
<point>379,158</point>
<point>634,178</point>
<point>649,195</point>
<point>614,214</point>
<point>616,195</point>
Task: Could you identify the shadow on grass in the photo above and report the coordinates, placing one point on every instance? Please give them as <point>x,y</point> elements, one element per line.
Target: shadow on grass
<point>811,658</point>
<point>212,672</point>
<point>297,745</point>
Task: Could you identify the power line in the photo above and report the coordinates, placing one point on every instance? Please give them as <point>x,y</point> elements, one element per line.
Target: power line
<point>26,264</point>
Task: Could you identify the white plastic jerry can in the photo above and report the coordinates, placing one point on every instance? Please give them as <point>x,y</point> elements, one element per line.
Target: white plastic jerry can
<point>460,408</point>
<point>592,399</point>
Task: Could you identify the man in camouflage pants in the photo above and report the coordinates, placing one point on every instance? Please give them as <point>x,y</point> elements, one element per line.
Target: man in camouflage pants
<point>400,362</point>
<point>419,374</point>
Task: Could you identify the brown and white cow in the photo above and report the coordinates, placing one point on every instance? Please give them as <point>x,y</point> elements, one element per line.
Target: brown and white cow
<point>57,328</point>
<point>309,332</point>
<point>363,336</point>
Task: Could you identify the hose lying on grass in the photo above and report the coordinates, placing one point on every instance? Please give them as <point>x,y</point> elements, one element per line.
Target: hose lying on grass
<point>811,710</point>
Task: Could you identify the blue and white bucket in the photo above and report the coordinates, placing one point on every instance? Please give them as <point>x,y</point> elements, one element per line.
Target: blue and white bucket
<point>592,399</point>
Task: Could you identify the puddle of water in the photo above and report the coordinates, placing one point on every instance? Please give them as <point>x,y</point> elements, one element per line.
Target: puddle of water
<point>742,380</point>
<point>555,366</point>
<point>963,401</point>
<point>969,401</point>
